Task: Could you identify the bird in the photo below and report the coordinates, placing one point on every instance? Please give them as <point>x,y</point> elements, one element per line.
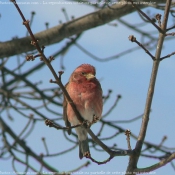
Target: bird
<point>86,93</point>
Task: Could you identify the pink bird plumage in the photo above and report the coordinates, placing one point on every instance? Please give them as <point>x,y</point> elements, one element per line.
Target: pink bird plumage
<point>86,93</point>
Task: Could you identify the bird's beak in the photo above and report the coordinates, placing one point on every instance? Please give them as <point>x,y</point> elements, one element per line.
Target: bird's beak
<point>90,76</point>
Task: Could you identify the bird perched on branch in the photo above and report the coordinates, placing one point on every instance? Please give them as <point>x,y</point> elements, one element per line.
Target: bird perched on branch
<point>86,93</point>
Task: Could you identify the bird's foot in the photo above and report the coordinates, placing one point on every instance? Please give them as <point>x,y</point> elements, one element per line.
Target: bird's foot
<point>95,119</point>
<point>88,123</point>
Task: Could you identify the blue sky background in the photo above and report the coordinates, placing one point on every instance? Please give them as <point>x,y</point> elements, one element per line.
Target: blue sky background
<point>128,75</point>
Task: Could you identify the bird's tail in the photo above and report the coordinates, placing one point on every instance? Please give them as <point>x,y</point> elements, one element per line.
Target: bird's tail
<point>83,148</point>
<point>83,142</point>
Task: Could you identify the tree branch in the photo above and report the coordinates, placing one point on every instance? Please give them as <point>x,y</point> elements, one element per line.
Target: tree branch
<point>7,129</point>
<point>76,26</point>
<point>134,158</point>
<point>156,166</point>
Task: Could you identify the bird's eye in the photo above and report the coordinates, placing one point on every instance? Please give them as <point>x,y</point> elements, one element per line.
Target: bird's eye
<point>83,73</point>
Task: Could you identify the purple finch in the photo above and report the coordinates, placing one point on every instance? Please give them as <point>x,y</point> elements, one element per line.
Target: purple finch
<point>86,93</point>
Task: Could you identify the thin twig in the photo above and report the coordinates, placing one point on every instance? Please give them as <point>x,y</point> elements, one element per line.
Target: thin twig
<point>25,147</point>
<point>86,164</point>
<point>112,107</point>
<point>127,121</point>
<point>98,162</point>
<point>155,166</point>
<point>128,133</point>
<point>54,125</point>
<point>170,34</point>
<point>158,18</point>
<point>149,19</point>
<point>167,56</point>
<point>45,145</point>
<point>133,39</point>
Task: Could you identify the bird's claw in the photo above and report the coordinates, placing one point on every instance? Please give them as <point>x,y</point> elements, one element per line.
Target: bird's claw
<point>95,119</point>
<point>88,123</point>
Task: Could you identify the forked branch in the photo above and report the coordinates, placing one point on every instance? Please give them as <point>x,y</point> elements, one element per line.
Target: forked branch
<point>143,129</point>
<point>47,61</point>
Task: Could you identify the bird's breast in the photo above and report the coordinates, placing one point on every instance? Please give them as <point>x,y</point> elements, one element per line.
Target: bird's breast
<point>87,98</point>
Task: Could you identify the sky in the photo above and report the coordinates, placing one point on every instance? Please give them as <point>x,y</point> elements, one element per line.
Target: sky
<point>128,75</point>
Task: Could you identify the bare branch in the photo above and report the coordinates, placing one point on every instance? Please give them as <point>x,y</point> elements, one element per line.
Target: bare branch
<point>128,133</point>
<point>156,166</point>
<point>133,39</point>
<point>147,17</point>
<point>143,129</point>
<point>6,128</point>
<point>100,163</point>
<point>167,56</point>
<point>68,29</point>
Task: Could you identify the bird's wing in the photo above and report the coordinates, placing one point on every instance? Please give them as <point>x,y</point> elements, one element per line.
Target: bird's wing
<point>65,117</point>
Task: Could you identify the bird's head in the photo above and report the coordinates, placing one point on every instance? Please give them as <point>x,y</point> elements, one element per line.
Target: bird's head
<point>83,72</point>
